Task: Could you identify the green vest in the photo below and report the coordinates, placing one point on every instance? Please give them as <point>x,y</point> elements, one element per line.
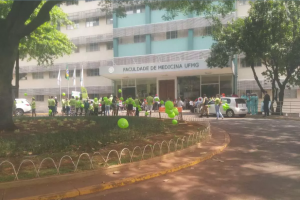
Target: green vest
<point>72,102</point>
<point>150,100</point>
<point>96,104</point>
<point>78,103</point>
<point>217,101</point>
<point>91,107</point>
<point>67,103</point>
<point>33,105</point>
<point>137,102</point>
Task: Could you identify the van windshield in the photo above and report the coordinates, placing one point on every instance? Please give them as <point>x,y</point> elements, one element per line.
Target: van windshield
<point>240,101</point>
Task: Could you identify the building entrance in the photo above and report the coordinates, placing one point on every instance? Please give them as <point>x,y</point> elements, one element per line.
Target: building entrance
<point>167,90</point>
<point>129,91</point>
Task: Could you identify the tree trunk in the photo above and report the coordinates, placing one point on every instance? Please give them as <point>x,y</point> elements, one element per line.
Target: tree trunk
<point>280,103</point>
<point>8,54</point>
<point>274,97</point>
<point>17,75</point>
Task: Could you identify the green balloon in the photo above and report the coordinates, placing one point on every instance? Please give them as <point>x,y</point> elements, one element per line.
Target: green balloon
<point>50,111</point>
<point>123,123</point>
<point>105,98</point>
<point>64,94</point>
<point>174,121</point>
<point>139,106</point>
<point>82,105</point>
<point>120,91</point>
<point>146,113</point>
<point>162,102</point>
<point>140,109</point>
<point>95,99</point>
<point>25,94</point>
<point>168,111</point>
<point>225,107</point>
<point>172,115</point>
<point>134,105</point>
<point>175,110</point>
<point>127,101</point>
<point>169,105</point>
<point>121,98</point>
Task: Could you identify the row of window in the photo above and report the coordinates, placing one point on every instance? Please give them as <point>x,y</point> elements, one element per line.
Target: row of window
<point>94,47</point>
<point>75,2</point>
<point>90,22</point>
<point>53,75</point>
<point>245,64</point>
<point>205,31</point>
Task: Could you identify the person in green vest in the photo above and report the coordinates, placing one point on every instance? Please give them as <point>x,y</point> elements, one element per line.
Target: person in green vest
<point>73,106</point>
<point>49,103</point>
<point>86,107</point>
<point>81,108</point>
<point>102,106</point>
<point>108,102</point>
<point>137,103</point>
<point>33,107</point>
<point>91,108</point>
<point>67,103</point>
<point>149,103</point>
<point>218,104</point>
<point>96,106</point>
<point>248,103</point>
<point>77,106</point>
<point>63,106</point>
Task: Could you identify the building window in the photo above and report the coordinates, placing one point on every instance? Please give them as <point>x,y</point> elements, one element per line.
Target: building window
<point>92,47</point>
<point>93,72</point>
<point>208,30</point>
<point>92,22</point>
<point>77,73</point>
<point>76,49</point>
<point>89,0</point>
<point>22,76</point>
<point>109,46</point>
<point>171,35</point>
<point>53,75</point>
<point>38,75</point>
<point>135,9</point>
<point>74,26</point>
<point>109,19</point>
<point>290,94</point>
<point>39,97</point>
<point>243,2</point>
<point>244,63</point>
<point>72,2</point>
<point>139,38</point>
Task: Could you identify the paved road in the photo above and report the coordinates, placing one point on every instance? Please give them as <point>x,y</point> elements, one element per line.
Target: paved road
<point>262,162</point>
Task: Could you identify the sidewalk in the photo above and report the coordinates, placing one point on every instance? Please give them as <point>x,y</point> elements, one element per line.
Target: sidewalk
<point>112,177</point>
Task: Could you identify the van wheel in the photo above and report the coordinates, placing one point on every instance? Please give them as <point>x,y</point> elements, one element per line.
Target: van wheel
<point>230,113</point>
<point>19,112</point>
<point>243,115</point>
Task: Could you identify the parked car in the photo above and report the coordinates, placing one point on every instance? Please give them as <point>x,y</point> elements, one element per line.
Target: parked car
<point>22,107</point>
<point>237,106</point>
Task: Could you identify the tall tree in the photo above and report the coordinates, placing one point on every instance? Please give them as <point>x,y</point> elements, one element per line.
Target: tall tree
<point>28,29</point>
<point>270,33</point>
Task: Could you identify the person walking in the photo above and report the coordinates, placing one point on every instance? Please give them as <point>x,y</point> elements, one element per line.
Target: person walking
<point>52,106</point>
<point>137,103</point>
<point>255,104</point>
<point>86,107</point>
<point>149,103</point>
<point>77,106</point>
<point>102,107</point>
<point>266,103</point>
<point>96,106</point>
<point>33,107</point>
<point>67,102</point>
<point>205,106</point>
<point>73,106</point>
<point>114,106</point>
<point>107,106</point>
<point>218,103</point>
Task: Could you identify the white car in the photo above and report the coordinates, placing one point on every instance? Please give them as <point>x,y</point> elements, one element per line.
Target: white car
<point>22,107</point>
<point>237,106</point>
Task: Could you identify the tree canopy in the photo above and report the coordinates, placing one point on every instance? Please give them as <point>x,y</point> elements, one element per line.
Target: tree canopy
<point>46,43</point>
<point>271,33</point>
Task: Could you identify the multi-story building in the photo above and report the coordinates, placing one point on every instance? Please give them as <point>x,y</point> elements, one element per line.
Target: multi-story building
<point>140,54</point>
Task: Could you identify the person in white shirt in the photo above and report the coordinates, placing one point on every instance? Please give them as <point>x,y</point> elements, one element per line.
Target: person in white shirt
<point>179,103</point>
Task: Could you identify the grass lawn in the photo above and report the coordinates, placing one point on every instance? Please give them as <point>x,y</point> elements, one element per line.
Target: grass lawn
<point>39,138</point>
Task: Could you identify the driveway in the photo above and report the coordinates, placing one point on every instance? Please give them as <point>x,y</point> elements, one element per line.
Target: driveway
<point>262,162</point>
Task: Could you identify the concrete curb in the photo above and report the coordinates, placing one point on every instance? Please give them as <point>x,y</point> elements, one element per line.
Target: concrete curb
<point>126,181</point>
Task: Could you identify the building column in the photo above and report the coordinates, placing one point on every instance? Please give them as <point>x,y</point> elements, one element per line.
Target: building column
<point>191,39</point>
<point>148,44</point>
<point>148,36</point>
<point>116,47</point>
<point>115,20</point>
